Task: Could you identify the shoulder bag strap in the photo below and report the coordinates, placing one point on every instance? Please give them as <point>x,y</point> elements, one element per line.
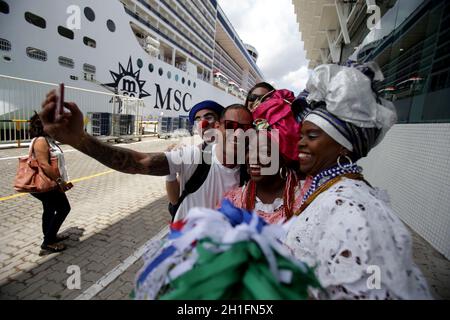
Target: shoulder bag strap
<point>198,177</point>
<point>31,149</point>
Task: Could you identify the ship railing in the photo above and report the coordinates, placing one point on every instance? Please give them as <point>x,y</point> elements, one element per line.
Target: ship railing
<point>106,115</point>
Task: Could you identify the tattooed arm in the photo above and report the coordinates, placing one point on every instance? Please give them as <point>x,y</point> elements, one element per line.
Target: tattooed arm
<point>68,128</point>
<point>124,160</point>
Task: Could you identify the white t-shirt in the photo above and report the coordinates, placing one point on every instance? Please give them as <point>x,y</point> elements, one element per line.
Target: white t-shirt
<point>220,179</point>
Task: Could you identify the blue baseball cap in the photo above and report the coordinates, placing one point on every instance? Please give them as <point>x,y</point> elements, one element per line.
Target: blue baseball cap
<point>207,104</point>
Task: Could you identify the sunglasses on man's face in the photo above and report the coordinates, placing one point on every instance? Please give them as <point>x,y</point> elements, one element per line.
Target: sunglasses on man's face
<point>233,125</point>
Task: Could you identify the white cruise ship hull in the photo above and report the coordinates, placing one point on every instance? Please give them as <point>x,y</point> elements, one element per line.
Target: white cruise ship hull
<point>121,64</point>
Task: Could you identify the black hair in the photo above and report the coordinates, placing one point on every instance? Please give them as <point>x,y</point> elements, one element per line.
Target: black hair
<point>235,107</point>
<point>36,128</point>
<point>264,85</point>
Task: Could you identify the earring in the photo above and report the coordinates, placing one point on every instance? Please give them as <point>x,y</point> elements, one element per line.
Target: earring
<point>349,160</point>
<point>283,176</point>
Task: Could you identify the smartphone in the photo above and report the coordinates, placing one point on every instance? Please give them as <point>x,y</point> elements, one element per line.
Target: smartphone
<point>60,103</point>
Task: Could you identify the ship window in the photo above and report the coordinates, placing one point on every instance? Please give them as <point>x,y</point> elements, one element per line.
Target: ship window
<point>67,33</point>
<point>73,78</point>
<point>160,71</point>
<point>189,83</point>
<point>5,45</point>
<point>89,76</point>
<point>176,78</point>
<point>7,58</point>
<point>66,62</point>
<point>150,67</point>
<point>195,85</point>
<point>90,42</point>
<point>89,13</point>
<point>35,20</point>
<point>4,7</point>
<point>140,63</point>
<point>183,80</point>
<point>89,68</point>
<point>111,25</point>
<point>37,54</point>
<point>169,75</point>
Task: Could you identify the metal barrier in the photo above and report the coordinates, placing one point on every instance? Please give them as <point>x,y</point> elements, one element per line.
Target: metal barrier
<point>19,98</point>
<point>18,129</point>
<point>170,126</point>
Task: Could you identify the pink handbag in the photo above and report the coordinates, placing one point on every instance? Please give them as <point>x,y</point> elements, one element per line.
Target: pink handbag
<point>31,178</point>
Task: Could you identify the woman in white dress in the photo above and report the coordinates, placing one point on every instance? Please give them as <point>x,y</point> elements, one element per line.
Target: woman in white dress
<point>345,227</point>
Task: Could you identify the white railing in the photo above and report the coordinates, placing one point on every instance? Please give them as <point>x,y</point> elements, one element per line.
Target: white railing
<point>20,98</point>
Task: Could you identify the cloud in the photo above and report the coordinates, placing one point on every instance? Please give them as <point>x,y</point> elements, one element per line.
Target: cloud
<point>271,27</point>
<point>296,79</point>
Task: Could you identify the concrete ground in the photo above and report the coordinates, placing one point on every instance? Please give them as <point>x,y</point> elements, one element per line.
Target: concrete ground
<point>113,216</point>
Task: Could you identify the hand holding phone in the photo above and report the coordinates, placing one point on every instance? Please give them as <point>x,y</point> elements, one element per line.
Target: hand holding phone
<point>59,111</point>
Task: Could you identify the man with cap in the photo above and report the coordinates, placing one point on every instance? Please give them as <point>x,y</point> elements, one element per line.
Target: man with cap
<point>203,116</point>
<point>221,176</point>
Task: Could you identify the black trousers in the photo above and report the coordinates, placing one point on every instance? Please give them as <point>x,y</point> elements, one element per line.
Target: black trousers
<point>56,208</point>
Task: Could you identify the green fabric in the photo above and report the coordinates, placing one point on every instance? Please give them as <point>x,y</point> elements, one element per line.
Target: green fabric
<point>242,272</point>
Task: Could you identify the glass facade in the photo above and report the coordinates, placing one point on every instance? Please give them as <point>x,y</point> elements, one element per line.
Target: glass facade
<point>413,49</point>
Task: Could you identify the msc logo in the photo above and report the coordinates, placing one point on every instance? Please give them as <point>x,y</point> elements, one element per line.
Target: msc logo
<point>127,82</point>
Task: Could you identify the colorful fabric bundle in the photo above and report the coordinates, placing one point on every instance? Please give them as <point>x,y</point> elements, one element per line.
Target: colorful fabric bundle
<point>225,254</point>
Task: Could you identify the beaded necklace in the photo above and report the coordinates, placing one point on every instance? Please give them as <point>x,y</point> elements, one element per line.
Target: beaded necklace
<point>328,174</point>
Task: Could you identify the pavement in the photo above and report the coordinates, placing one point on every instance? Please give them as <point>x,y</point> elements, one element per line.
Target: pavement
<point>114,216</point>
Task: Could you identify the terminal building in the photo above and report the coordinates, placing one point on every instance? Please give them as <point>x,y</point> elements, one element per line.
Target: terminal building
<point>411,44</point>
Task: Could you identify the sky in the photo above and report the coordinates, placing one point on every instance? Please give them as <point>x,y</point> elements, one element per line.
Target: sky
<point>271,27</point>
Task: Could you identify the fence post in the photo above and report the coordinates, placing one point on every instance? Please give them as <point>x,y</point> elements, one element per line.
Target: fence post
<point>18,126</point>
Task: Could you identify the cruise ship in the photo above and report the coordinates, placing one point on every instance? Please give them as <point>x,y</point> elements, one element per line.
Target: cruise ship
<point>170,54</point>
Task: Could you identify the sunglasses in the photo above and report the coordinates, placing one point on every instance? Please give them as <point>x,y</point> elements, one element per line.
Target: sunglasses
<point>233,125</point>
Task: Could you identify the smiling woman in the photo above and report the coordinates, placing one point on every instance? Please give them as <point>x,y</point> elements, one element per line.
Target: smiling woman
<point>317,150</point>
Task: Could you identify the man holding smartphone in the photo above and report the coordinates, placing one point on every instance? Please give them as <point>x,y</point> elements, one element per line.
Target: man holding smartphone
<point>223,175</point>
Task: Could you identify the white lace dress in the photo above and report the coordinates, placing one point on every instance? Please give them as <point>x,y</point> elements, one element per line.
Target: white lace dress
<point>360,248</point>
